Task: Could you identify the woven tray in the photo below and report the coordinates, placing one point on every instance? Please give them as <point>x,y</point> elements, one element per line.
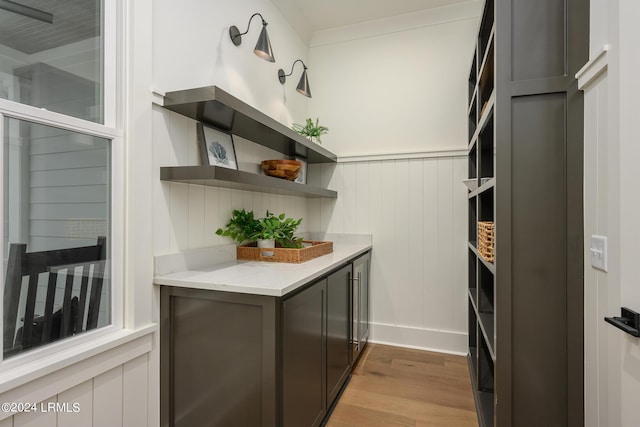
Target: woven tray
<point>250,252</point>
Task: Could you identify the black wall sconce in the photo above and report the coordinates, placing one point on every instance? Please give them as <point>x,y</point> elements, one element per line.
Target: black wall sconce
<point>263,46</point>
<point>303,84</point>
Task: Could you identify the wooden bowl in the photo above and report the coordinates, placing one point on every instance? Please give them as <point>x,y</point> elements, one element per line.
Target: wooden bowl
<point>285,169</point>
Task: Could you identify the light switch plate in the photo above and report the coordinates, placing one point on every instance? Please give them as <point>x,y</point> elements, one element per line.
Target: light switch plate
<point>599,252</point>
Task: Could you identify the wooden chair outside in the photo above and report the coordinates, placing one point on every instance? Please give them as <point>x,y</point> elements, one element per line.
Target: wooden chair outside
<point>67,320</point>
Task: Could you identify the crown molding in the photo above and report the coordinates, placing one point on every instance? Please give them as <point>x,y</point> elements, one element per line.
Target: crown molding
<point>406,22</point>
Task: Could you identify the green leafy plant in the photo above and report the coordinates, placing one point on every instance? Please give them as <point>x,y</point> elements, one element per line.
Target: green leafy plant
<point>243,226</point>
<point>281,229</point>
<point>311,130</point>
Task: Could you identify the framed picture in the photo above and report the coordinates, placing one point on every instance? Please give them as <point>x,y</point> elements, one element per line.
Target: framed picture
<point>302,176</point>
<point>216,147</point>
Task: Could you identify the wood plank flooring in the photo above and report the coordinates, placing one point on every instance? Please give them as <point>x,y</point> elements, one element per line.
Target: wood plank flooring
<point>394,386</point>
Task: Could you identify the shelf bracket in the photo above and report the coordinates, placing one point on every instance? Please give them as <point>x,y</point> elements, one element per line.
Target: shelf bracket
<point>629,321</point>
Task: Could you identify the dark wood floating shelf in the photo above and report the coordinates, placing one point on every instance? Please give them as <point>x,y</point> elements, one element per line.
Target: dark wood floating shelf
<point>215,176</point>
<point>215,107</point>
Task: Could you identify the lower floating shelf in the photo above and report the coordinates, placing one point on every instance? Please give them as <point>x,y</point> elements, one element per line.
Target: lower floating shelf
<point>215,176</point>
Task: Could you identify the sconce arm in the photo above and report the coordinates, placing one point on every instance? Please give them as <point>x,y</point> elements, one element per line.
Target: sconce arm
<point>264,23</point>
<point>292,65</point>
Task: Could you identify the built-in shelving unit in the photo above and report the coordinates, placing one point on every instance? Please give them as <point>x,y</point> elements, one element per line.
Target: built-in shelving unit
<point>215,107</point>
<point>525,124</point>
<point>481,208</point>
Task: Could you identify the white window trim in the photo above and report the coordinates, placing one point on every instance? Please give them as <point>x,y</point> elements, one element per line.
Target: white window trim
<point>48,357</point>
<point>43,117</point>
<point>111,75</point>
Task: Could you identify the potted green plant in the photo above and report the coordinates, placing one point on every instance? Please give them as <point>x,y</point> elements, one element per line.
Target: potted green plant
<point>241,227</point>
<point>311,130</point>
<point>267,231</point>
<point>278,229</point>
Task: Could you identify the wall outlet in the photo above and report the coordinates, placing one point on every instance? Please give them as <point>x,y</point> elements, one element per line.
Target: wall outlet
<point>599,252</point>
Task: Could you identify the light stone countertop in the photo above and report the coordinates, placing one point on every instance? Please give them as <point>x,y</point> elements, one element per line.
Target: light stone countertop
<point>217,269</point>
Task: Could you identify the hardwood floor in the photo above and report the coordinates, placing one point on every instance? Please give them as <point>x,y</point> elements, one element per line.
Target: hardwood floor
<point>394,386</point>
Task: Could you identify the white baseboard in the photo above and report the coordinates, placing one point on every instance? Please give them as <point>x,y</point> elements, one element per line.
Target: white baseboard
<point>423,339</point>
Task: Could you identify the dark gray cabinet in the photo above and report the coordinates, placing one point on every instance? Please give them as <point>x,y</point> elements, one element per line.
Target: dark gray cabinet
<point>304,399</point>
<point>230,359</point>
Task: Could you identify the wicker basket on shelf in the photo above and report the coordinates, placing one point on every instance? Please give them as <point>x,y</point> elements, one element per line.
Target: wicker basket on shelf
<point>486,239</point>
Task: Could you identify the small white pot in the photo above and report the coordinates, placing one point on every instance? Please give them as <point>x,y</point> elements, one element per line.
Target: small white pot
<point>267,244</point>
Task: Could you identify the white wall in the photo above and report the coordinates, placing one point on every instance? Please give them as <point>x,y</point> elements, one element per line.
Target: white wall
<point>396,85</point>
<point>192,48</point>
<point>611,87</point>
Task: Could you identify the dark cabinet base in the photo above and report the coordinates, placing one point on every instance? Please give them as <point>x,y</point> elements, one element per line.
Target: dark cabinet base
<point>230,359</point>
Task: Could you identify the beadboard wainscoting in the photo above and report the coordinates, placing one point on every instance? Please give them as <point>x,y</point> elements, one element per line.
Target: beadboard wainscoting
<point>415,209</point>
<point>107,385</point>
<point>110,399</point>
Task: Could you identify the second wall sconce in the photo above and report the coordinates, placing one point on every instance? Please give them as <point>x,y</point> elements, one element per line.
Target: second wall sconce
<point>263,46</point>
<point>303,84</point>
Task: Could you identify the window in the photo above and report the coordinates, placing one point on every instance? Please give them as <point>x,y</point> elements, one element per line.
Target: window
<point>56,65</point>
<point>61,197</point>
<point>57,198</point>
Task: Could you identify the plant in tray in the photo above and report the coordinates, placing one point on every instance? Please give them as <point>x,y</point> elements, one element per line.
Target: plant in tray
<point>243,226</point>
<point>281,229</point>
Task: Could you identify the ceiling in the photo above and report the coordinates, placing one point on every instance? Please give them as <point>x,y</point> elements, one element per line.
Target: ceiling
<point>310,16</point>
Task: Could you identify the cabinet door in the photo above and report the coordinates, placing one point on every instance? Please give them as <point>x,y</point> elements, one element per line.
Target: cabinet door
<point>338,331</point>
<point>304,357</point>
<point>218,357</point>
<point>361,282</point>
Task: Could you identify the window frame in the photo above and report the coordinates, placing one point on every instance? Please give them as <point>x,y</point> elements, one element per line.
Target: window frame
<point>112,130</point>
